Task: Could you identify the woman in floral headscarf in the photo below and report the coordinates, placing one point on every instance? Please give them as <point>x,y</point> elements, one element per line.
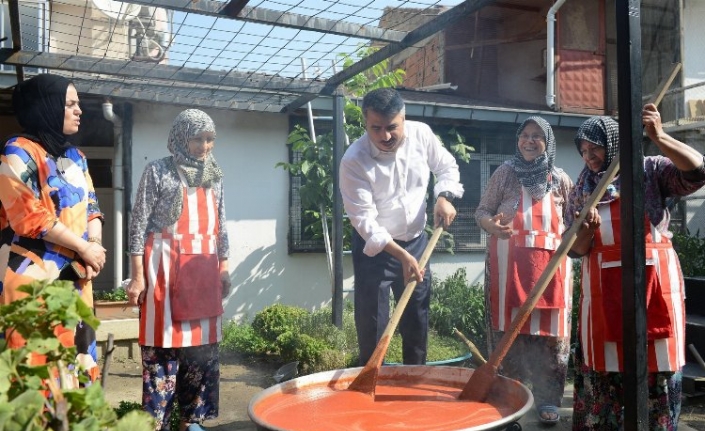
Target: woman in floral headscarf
<point>598,394</point>
<point>522,208</point>
<point>180,249</point>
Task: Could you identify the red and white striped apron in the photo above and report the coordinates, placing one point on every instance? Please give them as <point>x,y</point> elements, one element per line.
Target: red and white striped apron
<point>536,226</point>
<point>195,231</point>
<point>600,303</point>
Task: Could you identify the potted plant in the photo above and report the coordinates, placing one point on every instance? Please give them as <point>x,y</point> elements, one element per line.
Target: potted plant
<point>113,304</point>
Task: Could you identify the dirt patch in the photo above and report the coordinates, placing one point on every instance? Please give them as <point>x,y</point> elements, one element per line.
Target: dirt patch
<point>242,379</point>
<point>693,413</point>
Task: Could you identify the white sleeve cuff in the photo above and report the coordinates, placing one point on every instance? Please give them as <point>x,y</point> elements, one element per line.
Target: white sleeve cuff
<point>376,243</point>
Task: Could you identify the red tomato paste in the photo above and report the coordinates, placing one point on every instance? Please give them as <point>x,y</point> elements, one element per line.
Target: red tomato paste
<point>401,406</point>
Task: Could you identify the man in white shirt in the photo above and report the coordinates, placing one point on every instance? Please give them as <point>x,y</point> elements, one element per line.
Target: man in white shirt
<point>384,179</point>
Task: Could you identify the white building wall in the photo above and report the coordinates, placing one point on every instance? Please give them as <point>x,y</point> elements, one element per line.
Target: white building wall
<point>694,64</point>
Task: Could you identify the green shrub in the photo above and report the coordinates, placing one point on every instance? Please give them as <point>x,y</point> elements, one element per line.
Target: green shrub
<point>313,341</point>
<point>295,346</point>
<point>276,320</point>
<point>125,407</point>
<point>457,304</point>
<point>332,359</point>
<point>319,325</point>
<point>243,339</point>
<point>439,349</point>
<point>691,253</point>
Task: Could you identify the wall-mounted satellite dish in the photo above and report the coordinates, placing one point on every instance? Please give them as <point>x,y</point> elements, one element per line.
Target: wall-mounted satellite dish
<point>117,10</point>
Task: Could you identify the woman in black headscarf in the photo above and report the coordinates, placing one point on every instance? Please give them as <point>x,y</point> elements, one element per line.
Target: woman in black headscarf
<point>598,393</point>
<point>522,208</point>
<point>49,214</point>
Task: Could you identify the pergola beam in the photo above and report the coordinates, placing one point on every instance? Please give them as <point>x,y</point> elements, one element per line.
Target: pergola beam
<point>234,7</point>
<point>186,96</point>
<point>14,12</point>
<point>133,69</point>
<point>438,23</point>
<point>277,18</point>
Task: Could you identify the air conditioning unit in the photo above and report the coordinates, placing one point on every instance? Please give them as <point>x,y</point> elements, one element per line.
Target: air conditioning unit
<point>117,10</point>
<point>150,35</point>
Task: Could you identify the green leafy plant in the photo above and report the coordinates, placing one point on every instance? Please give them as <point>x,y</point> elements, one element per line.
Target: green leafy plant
<point>31,396</point>
<point>276,320</point>
<point>457,304</point>
<point>124,407</point>
<point>691,253</point>
<point>243,338</point>
<point>118,294</point>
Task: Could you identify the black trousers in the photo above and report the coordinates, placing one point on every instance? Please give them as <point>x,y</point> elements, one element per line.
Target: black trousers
<point>374,277</point>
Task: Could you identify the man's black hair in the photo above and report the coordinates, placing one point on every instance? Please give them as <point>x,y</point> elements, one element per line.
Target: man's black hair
<point>384,101</point>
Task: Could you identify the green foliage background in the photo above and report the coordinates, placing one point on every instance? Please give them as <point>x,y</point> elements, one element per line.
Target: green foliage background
<point>691,253</point>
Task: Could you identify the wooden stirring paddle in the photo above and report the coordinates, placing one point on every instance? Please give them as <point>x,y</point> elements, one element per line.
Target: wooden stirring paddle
<point>481,380</point>
<point>367,379</point>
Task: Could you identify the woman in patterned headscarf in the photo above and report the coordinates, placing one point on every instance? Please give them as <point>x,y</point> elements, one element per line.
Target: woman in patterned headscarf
<point>49,214</point>
<point>522,208</point>
<point>598,393</point>
<point>179,248</point>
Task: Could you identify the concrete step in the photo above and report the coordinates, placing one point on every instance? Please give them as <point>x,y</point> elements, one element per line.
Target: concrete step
<point>693,380</point>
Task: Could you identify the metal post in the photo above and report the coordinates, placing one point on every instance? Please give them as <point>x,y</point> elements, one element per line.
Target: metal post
<point>338,150</point>
<point>632,214</point>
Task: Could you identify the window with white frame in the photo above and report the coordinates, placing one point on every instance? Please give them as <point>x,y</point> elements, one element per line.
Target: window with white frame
<point>494,143</point>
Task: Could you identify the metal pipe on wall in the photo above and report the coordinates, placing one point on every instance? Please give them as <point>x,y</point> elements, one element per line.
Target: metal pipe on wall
<point>118,189</point>
<point>551,54</point>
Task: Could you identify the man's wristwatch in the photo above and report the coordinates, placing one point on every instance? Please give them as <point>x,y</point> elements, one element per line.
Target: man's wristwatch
<point>448,195</point>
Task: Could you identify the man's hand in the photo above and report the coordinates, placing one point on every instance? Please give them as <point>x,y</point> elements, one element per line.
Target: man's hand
<point>411,269</point>
<point>443,213</point>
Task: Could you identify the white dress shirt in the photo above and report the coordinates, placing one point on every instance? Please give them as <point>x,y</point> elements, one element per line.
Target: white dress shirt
<point>384,194</point>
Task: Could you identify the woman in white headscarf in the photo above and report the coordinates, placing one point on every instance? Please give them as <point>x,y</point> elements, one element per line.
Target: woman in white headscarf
<point>179,249</point>
<point>522,209</point>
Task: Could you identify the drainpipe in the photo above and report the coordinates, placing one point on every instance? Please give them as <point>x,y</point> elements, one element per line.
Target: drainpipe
<point>118,188</point>
<point>551,54</point>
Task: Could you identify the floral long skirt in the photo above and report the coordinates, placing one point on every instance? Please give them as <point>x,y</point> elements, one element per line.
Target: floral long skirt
<point>189,375</point>
<point>598,399</point>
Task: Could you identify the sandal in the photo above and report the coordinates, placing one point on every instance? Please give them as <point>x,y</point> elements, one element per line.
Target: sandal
<point>548,414</point>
